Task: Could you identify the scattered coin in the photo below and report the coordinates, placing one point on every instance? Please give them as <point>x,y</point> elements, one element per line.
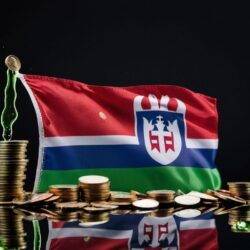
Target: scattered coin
<point>146,204</point>
<point>187,200</point>
<point>93,223</point>
<point>104,204</point>
<point>203,196</point>
<point>96,209</point>
<point>188,213</point>
<point>71,205</point>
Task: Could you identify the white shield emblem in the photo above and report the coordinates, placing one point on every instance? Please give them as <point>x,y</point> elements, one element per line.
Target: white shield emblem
<point>162,135</point>
<point>163,142</point>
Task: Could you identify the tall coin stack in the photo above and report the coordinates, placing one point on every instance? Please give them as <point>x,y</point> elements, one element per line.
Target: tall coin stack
<point>12,234</point>
<point>94,188</point>
<point>241,189</point>
<point>13,164</point>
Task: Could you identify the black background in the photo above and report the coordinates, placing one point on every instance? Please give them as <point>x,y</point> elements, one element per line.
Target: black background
<point>203,48</point>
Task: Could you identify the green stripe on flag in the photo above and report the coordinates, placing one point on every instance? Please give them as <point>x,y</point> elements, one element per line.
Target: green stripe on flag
<point>140,179</point>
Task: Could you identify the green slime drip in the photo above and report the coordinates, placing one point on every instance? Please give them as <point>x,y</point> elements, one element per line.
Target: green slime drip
<point>9,114</point>
<point>37,235</point>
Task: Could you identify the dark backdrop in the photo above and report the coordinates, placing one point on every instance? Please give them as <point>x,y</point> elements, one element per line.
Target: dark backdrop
<point>124,43</point>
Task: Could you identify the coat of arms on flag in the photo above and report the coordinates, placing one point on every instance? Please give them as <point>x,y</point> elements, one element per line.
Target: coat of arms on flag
<point>141,137</point>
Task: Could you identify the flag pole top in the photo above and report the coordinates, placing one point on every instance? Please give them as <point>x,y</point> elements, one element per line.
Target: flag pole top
<point>13,63</point>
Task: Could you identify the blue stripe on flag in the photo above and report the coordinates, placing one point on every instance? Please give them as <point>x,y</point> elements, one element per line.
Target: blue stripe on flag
<point>119,156</point>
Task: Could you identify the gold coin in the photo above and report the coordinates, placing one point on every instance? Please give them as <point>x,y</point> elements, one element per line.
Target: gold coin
<point>104,205</point>
<point>71,205</point>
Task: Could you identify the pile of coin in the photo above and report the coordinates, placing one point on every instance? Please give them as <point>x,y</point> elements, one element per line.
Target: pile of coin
<point>13,164</point>
<point>163,196</point>
<point>94,188</point>
<point>241,189</point>
<point>65,192</point>
<point>239,219</point>
<point>12,232</point>
<point>91,219</point>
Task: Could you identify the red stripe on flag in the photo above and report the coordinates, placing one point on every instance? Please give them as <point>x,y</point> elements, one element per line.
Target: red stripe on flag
<point>88,243</point>
<point>200,239</point>
<point>57,224</point>
<point>77,106</point>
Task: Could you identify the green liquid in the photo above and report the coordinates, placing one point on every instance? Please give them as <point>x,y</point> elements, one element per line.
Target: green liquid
<point>9,113</point>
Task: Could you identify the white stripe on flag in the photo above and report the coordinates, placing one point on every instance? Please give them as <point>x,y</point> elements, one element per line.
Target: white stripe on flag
<point>91,232</point>
<point>197,224</point>
<point>90,140</point>
<point>61,141</point>
<point>202,143</point>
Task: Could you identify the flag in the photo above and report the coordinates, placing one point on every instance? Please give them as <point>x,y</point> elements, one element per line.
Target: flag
<point>141,137</point>
<point>136,232</point>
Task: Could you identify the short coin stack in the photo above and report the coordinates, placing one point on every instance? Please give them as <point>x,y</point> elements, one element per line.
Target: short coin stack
<point>94,188</point>
<point>163,196</point>
<point>65,192</point>
<point>241,189</point>
<point>13,164</point>
<point>121,198</point>
<point>12,229</point>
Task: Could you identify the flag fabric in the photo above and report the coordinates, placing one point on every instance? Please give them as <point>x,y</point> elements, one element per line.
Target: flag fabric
<point>141,137</point>
<point>136,232</point>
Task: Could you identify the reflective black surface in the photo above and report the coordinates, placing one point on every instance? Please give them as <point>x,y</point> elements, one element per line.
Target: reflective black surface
<point>165,228</point>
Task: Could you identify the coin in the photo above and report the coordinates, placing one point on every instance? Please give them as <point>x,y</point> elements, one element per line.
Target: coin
<point>187,200</point>
<point>65,192</point>
<point>120,203</point>
<point>93,223</point>
<point>203,196</point>
<point>120,196</point>
<point>120,211</point>
<point>104,205</point>
<point>13,63</point>
<point>161,192</point>
<point>93,179</point>
<point>188,213</point>
<point>146,204</point>
<point>94,188</point>
<point>71,205</point>
<point>96,209</point>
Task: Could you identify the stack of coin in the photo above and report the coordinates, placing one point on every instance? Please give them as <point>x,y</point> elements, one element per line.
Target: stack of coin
<point>239,219</point>
<point>121,197</point>
<point>65,192</point>
<point>94,188</point>
<point>13,164</point>
<point>12,234</point>
<point>91,219</point>
<point>163,196</point>
<point>241,189</point>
